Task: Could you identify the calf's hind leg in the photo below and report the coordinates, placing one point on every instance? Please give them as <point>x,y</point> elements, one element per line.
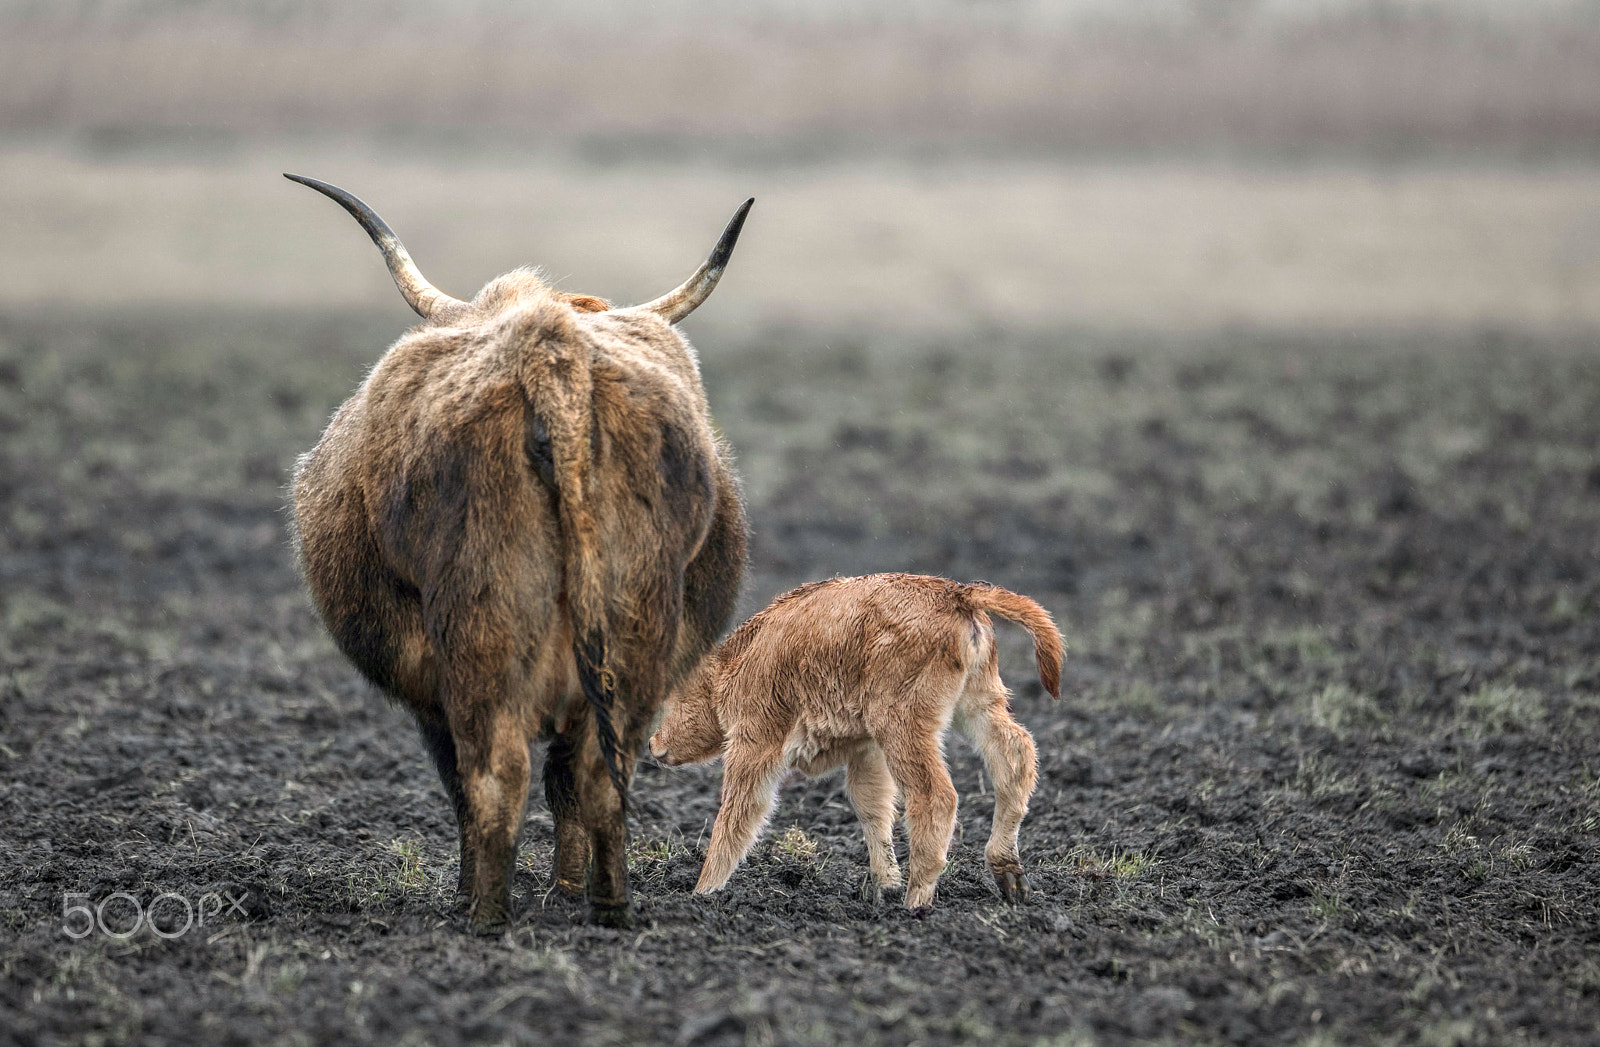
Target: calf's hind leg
<point>1008,754</point>
<point>918,765</point>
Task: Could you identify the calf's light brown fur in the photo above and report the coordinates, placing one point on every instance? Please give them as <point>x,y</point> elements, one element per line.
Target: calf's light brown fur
<point>867,673</point>
<point>522,524</point>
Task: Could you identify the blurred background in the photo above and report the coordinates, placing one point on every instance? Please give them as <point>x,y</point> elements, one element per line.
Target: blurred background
<point>931,165</point>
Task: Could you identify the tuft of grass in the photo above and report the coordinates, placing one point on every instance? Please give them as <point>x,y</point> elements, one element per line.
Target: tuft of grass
<point>1327,906</point>
<point>1340,709</point>
<point>399,868</point>
<point>410,874</point>
<point>1500,708</point>
<point>1520,857</point>
<point>1316,778</point>
<point>1458,839</point>
<point>649,860</point>
<point>1116,865</point>
<point>797,845</point>
<point>1302,647</point>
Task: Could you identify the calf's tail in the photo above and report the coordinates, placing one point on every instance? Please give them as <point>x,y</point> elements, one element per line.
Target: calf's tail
<point>1047,645</point>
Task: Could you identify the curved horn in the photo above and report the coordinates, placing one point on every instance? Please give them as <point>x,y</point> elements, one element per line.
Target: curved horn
<point>676,305</point>
<point>422,296</point>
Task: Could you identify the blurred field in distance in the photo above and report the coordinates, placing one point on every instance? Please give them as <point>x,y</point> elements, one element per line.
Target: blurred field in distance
<point>1162,164</point>
<point>888,244</point>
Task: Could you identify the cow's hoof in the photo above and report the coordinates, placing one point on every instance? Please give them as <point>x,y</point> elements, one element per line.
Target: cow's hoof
<point>490,927</point>
<point>617,916</point>
<point>920,912</point>
<point>489,917</point>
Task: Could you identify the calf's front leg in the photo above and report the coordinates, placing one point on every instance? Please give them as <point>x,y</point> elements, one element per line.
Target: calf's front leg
<point>749,787</point>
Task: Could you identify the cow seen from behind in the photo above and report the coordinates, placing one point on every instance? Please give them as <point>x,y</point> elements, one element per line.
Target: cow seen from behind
<point>523,525</point>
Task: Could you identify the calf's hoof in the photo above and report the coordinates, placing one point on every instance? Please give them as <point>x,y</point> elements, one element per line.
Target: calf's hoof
<point>1013,888</point>
<point>920,912</point>
<point>617,916</point>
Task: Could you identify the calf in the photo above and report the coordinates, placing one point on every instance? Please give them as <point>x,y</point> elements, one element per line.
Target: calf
<point>867,673</point>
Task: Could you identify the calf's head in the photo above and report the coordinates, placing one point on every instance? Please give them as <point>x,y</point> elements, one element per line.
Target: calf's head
<point>690,730</point>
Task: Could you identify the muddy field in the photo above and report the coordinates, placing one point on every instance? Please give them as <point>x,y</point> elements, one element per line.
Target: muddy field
<point>1326,768</point>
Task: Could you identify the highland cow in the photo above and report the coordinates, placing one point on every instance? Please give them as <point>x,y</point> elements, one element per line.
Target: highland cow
<point>867,673</point>
<point>523,525</point>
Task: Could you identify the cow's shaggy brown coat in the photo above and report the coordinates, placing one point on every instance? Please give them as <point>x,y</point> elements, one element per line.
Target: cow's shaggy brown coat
<point>868,674</point>
<point>522,524</point>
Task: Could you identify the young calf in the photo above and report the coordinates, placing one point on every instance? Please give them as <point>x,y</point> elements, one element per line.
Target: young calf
<point>867,673</point>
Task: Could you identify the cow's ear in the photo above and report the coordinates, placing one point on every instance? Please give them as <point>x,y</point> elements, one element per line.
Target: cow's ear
<point>586,303</point>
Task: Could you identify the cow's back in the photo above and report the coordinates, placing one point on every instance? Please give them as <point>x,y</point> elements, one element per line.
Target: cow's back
<point>426,493</point>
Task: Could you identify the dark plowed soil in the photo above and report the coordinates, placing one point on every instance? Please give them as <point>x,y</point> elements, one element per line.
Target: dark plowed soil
<point>1326,768</point>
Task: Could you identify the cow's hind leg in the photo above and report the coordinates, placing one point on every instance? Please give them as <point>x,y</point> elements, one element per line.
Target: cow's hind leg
<point>441,745</point>
<point>601,807</point>
<point>492,754</point>
<point>571,870</point>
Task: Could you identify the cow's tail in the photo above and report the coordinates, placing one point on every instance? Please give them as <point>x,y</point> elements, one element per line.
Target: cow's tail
<point>1047,645</point>
<point>562,444</point>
